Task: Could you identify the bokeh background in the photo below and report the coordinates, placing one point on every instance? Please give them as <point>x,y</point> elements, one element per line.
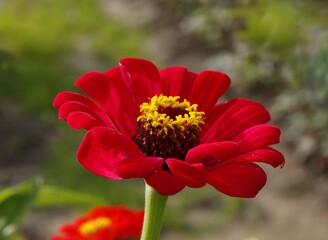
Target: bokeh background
<point>276,52</point>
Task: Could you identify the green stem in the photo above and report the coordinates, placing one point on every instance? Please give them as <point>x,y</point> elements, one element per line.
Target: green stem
<point>154,210</point>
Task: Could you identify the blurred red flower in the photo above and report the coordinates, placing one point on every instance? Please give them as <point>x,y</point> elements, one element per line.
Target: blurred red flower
<point>166,126</point>
<point>104,223</point>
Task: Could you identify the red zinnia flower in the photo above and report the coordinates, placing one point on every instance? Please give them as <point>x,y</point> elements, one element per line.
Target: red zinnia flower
<point>104,223</point>
<point>164,126</point>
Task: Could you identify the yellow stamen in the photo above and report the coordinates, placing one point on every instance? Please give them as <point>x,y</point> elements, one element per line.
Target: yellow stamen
<point>90,227</point>
<point>152,117</point>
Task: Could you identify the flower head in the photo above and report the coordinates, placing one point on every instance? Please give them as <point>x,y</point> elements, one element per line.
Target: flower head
<point>165,126</point>
<point>104,223</point>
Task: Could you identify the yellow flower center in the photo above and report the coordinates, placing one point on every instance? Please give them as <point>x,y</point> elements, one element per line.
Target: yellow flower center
<point>90,227</point>
<point>168,127</point>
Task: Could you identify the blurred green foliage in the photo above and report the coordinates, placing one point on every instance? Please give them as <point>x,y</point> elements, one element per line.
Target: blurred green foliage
<point>39,39</point>
<point>14,204</point>
<point>273,26</point>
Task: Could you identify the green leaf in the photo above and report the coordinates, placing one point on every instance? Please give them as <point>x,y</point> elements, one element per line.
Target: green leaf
<point>54,195</point>
<point>14,204</point>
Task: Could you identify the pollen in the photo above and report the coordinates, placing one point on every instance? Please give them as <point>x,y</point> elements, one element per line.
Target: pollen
<point>168,127</point>
<point>92,226</point>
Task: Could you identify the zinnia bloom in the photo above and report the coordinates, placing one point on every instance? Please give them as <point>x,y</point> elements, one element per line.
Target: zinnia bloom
<point>104,223</point>
<point>165,126</point>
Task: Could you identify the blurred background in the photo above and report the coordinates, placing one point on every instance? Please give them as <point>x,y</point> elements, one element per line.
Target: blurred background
<point>276,52</point>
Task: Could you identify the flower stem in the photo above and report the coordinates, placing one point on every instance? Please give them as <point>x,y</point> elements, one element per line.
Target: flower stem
<point>154,210</point>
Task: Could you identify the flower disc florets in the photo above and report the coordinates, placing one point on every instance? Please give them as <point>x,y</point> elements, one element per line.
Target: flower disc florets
<point>167,127</point>
<point>90,227</point>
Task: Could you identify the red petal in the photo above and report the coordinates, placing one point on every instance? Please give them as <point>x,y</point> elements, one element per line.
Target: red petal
<point>137,169</point>
<point>70,107</point>
<point>177,81</point>
<point>142,77</point>
<point>123,110</point>
<point>78,120</point>
<point>266,155</point>
<point>192,175</point>
<point>63,97</point>
<point>237,179</point>
<point>258,137</point>
<point>79,103</point>
<point>58,238</point>
<point>110,154</point>
<point>207,88</point>
<point>212,152</point>
<point>164,182</point>
<point>107,93</point>
<point>97,86</point>
<point>228,119</point>
<point>125,223</point>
